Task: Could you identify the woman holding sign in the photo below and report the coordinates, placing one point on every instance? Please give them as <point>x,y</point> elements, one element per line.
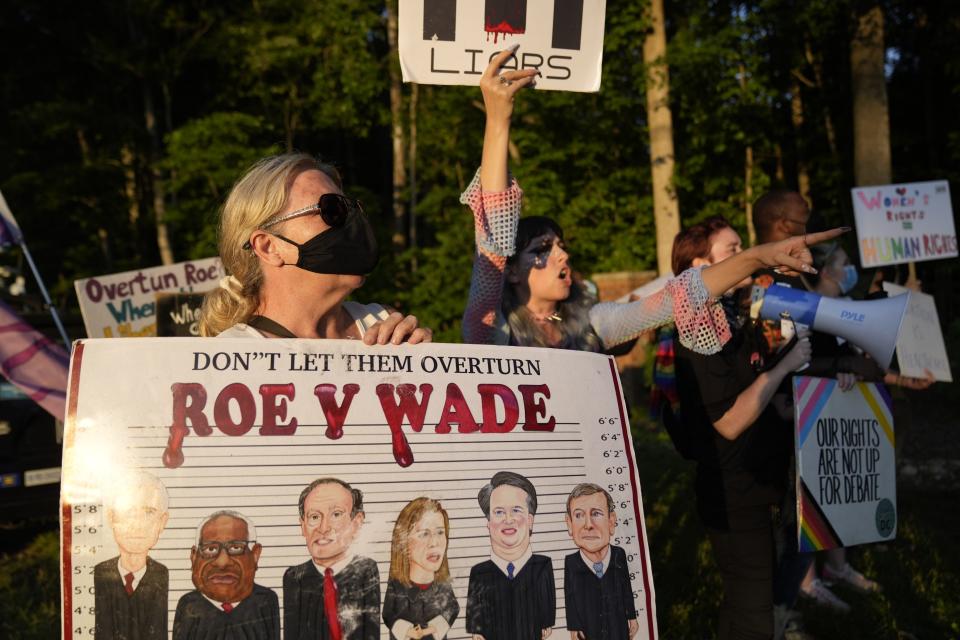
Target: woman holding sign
<point>295,247</point>
<point>523,291</point>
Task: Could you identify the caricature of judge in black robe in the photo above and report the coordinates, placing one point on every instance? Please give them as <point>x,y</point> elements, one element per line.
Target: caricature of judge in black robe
<point>130,590</point>
<point>331,514</point>
<point>596,578</point>
<point>511,596</point>
<point>226,605</point>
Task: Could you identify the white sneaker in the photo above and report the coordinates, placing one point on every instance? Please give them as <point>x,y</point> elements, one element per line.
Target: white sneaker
<point>851,576</point>
<point>819,593</point>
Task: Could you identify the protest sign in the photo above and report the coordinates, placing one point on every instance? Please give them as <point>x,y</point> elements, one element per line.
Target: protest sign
<point>125,304</point>
<point>846,474</point>
<point>178,314</point>
<point>175,429</point>
<point>452,41</point>
<point>920,345</point>
<point>909,222</point>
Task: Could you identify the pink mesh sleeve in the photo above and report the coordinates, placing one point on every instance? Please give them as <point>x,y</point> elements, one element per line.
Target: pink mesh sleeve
<point>495,216</point>
<point>701,325</point>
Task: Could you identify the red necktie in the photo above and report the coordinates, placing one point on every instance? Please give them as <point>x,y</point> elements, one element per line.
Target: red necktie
<point>128,584</point>
<point>330,604</point>
<point>227,607</point>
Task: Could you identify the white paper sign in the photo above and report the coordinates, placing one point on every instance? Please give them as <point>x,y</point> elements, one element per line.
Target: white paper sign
<point>125,304</point>
<point>452,41</point>
<point>247,425</point>
<point>909,222</point>
<point>846,471</point>
<point>920,345</point>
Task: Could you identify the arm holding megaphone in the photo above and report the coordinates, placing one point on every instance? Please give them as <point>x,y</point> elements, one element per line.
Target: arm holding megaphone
<point>754,399</point>
<point>787,256</point>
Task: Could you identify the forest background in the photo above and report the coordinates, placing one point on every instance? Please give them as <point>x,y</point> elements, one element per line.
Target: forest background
<point>126,122</point>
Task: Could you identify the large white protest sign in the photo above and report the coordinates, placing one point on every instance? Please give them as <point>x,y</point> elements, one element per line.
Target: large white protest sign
<point>452,41</point>
<point>909,222</point>
<point>125,304</point>
<point>846,472</point>
<point>170,431</point>
<point>920,345</point>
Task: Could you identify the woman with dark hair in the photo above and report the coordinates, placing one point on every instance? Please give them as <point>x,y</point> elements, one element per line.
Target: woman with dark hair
<point>523,291</point>
<point>741,444</point>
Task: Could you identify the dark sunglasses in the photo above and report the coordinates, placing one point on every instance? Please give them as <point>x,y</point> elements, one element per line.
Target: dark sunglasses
<point>334,209</point>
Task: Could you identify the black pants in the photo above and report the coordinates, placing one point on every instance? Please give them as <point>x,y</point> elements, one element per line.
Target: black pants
<point>745,558</point>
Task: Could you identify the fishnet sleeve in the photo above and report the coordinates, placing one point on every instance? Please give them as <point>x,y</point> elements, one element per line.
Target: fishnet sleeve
<point>701,324</point>
<point>495,217</point>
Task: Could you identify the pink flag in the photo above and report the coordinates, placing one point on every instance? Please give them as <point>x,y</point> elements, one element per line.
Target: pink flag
<point>33,362</point>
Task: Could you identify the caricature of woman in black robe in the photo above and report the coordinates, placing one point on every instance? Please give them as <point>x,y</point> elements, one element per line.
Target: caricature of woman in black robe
<point>420,603</point>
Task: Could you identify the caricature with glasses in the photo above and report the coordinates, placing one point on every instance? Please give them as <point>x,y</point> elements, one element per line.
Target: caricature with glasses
<point>226,603</point>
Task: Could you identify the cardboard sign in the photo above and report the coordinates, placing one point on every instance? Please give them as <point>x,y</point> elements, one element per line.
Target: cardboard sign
<point>125,304</point>
<point>176,449</point>
<point>920,345</point>
<point>178,314</point>
<point>899,223</point>
<point>452,41</point>
<point>846,472</point>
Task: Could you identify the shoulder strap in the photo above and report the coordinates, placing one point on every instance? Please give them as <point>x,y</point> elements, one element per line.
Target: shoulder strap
<point>266,324</point>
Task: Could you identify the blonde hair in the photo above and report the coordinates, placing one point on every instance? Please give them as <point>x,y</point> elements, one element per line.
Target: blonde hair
<point>409,517</point>
<point>259,194</point>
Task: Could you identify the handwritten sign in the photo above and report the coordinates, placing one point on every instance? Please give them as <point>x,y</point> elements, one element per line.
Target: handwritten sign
<point>920,345</point>
<point>899,223</point>
<point>452,41</point>
<point>846,475</point>
<point>217,446</point>
<point>125,304</point>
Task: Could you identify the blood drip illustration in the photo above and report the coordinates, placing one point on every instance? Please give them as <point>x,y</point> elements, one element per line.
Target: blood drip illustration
<point>173,454</point>
<point>504,17</point>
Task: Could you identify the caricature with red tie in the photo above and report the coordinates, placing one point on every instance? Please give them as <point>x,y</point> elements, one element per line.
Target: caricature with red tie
<point>335,595</point>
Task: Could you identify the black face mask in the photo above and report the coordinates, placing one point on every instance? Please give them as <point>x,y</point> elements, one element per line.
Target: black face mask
<point>348,250</point>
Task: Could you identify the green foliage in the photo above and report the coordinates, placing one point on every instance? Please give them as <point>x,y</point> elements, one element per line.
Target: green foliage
<point>30,590</point>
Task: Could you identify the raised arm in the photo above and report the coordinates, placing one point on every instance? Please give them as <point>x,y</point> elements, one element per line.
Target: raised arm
<point>495,200</point>
<point>790,255</point>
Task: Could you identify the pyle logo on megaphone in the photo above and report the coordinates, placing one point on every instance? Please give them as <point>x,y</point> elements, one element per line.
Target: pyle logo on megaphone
<point>872,325</point>
<point>852,316</point>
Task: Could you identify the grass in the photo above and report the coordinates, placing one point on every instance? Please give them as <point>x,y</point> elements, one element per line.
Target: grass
<point>919,571</point>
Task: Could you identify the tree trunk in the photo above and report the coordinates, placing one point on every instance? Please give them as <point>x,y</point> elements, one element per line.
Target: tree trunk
<point>666,208</point>
<point>747,171</point>
<point>827,117</point>
<point>796,118</point>
<point>156,176</point>
<point>871,118</point>
<point>414,99</point>
<point>396,107</point>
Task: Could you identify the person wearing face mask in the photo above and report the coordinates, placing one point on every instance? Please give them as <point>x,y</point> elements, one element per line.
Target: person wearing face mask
<point>295,247</point>
<point>523,291</point>
<point>741,446</point>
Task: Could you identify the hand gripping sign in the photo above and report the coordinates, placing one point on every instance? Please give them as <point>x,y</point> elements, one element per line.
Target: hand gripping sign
<point>321,488</point>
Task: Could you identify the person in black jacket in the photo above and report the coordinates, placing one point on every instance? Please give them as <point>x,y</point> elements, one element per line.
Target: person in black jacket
<point>226,604</point>
<point>596,579</point>
<point>511,596</point>
<point>130,590</point>
<point>420,603</point>
<point>335,594</point>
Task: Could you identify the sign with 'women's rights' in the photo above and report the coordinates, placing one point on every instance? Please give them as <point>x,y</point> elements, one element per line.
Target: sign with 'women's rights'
<point>289,487</point>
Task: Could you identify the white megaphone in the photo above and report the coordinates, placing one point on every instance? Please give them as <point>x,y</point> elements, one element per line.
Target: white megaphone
<point>872,325</point>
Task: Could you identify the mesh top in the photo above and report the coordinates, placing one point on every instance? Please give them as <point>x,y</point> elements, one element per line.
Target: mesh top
<point>701,324</point>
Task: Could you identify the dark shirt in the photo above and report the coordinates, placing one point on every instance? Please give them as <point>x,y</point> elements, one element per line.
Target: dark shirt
<point>419,606</point>
<point>358,601</point>
<point>733,476</point>
<point>256,617</point>
<point>599,607</point>
<point>502,609</point>
<point>139,616</point>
